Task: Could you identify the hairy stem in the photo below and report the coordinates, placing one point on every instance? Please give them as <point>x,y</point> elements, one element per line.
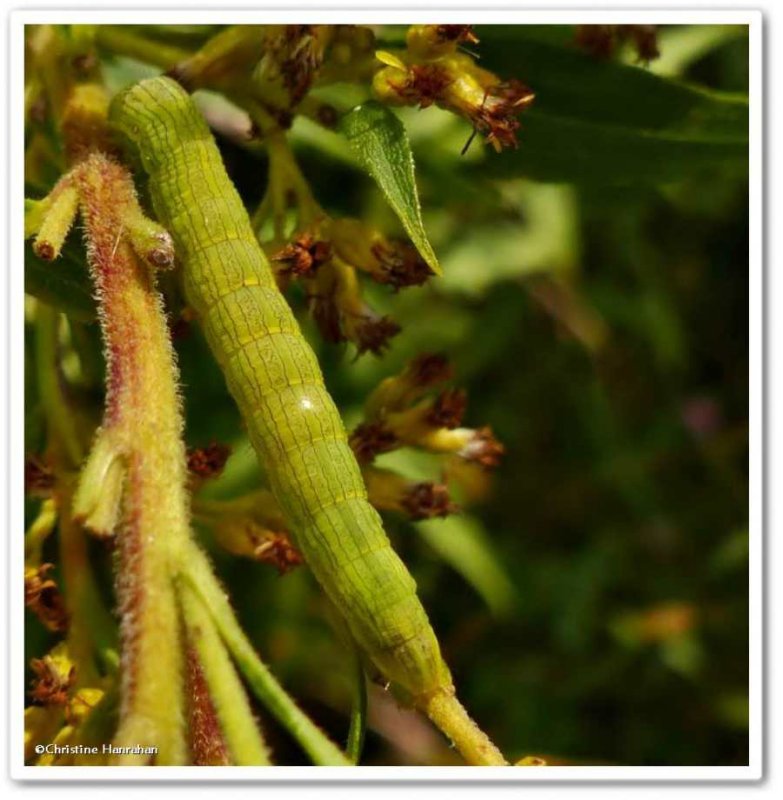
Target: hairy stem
<point>226,693</point>
<point>142,430</point>
<point>198,574</point>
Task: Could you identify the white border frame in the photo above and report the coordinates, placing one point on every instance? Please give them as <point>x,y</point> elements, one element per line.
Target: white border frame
<point>752,772</point>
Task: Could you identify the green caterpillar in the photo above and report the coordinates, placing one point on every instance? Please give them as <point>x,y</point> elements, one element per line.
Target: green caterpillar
<point>276,381</point>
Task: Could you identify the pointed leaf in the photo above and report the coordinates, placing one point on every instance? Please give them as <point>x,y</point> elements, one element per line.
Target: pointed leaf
<point>461,541</point>
<point>378,139</point>
<point>604,122</point>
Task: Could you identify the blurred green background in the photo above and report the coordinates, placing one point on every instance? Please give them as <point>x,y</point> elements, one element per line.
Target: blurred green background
<point>593,605</point>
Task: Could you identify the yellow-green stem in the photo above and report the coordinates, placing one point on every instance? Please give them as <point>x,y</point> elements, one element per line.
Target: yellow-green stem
<point>446,711</point>
<point>90,626</point>
<point>198,574</point>
<point>119,40</point>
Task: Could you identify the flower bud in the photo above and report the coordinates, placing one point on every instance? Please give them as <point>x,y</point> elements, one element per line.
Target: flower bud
<point>389,491</point>
<point>42,596</point>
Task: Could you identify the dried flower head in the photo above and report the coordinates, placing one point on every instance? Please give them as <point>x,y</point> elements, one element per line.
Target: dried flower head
<point>371,439</point>
<point>420,84</point>
<point>42,596</point>
<point>38,476</point>
<point>429,369</point>
<point>456,33</point>
<point>208,462</point>
<point>55,675</point>
<point>370,332</point>
<point>448,409</point>
<point>496,115</point>
<point>401,265</point>
<point>602,41</point>
<point>483,448</point>
<point>427,500</point>
<point>277,549</point>
<point>303,256</point>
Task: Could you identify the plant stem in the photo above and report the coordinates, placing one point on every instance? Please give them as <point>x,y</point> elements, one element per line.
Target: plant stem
<point>237,724</point>
<point>90,625</point>
<point>446,711</point>
<point>358,712</point>
<point>198,573</point>
<point>118,40</point>
<point>60,422</point>
<point>141,427</point>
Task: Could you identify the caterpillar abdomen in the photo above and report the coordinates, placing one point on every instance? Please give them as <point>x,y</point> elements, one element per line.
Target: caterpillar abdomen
<point>277,383</point>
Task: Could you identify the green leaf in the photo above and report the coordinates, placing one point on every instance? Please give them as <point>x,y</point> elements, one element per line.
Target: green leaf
<point>542,240</point>
<point>461,541</point>
<point>63,284</point>
<point>683,45</point>
<point>379,140</point>
<point>606,122</point>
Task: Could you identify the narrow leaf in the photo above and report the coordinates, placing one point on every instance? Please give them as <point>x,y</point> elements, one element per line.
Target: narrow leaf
<point>461,541</point>
<point>603,122</point>
<point>379,140</point>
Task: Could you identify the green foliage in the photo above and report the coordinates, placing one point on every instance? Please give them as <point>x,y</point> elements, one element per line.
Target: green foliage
<point>379,141</point>
<point>594,303</point>
<point>64,285</point>
<point>604,122</point>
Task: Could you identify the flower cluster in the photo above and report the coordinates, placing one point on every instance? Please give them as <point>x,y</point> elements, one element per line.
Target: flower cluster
<point>434,71</point>
<point>55,723</point>
<point>251,526</point>
<point>403,411</point>
<point>327,258</point>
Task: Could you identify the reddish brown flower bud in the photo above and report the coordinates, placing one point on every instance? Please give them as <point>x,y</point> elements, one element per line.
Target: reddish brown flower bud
<point>297,55</point>
<point>327,318</point>
<point>38,477</point>
<point>448,409</point>
<point>371,333</point>
<point>400,391</point>
<point>429,369</point>
<point>303,256</point>
<point>401,264</point>
<point>52,683</point>
<point>208,462</point>
<point>42,596</point>
<point>428,499</point>
<point>456,33</point>
<point>597,40</point>
<point>483,448</point>
<point>496,116</point>
<point>421,84</point>
<point>645,39</point>
<point>276,549</point>
<point>371,439</point>
<point>389,491</point>
<point>602,41</point>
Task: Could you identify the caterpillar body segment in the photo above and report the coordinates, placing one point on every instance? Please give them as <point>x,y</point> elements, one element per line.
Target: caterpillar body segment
<point>277,383</point>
